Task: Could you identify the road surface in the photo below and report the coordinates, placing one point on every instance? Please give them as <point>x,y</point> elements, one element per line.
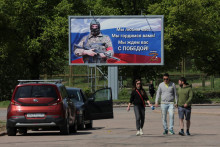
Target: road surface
<point>121,131</point>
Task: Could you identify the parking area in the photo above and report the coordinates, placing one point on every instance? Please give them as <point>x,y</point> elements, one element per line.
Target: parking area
<point>121,131</point>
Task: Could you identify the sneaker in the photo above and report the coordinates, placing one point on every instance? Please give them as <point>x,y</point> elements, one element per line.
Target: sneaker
<point>138,133</point>
<point>181,133</point>
<point>141,132</point>
<point>187,133</point>
<point>171,132</point>
<point>165,132</point>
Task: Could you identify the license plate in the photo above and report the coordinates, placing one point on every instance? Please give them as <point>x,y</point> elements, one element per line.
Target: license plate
<point>34,115</point>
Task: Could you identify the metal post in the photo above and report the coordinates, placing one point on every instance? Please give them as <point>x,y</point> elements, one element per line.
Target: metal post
<point>70,76</point>
<point>91,79</point>
<point>212,81</point>
<point>45,76</point>
<point>113,80</point>
<point>95,79</point>
<point>203,82</point>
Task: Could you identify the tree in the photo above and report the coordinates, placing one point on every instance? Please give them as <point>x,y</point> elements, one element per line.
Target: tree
<point>34,38</point>
<point>191,30</point>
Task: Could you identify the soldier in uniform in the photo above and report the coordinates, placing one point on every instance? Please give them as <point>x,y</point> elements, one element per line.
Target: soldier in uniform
<point>97,45</point>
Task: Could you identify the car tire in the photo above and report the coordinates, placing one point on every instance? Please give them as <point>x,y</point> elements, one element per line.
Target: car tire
<point>82,125</point>
<point>11,131</point>
<point>89,125</point>
<point>22,131</point>
<point>73,128</point>
<point>65,129</point>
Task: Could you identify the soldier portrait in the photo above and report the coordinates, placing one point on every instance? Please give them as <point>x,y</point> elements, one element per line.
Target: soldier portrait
<point>94,47</point>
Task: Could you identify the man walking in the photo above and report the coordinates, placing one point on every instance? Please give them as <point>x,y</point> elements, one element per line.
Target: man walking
<point>185,96</point>
<point>167,92</point>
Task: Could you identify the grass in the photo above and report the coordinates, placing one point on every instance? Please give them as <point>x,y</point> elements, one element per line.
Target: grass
<point>4,104</point>
<point>215,100</point>
<point>2,125</point>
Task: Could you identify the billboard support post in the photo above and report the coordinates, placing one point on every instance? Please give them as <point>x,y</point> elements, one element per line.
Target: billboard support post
<point>113,80</point>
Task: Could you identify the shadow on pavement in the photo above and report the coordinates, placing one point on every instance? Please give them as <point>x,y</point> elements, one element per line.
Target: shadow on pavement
<point>94,128</point>
<point>40,133</point>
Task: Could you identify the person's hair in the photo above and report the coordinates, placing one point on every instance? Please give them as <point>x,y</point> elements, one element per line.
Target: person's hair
<point>135,81</point>
<point>166,75</point>
<point>183,80</point>
<point>141,88</point>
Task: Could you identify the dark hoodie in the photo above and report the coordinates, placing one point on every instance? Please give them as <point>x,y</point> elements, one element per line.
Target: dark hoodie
<point>185,95</point>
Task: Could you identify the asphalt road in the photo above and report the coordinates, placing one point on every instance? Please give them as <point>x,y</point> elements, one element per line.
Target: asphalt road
<point>121,131</point>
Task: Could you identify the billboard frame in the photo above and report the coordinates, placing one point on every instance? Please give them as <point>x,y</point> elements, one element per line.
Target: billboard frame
<point>118,16</point>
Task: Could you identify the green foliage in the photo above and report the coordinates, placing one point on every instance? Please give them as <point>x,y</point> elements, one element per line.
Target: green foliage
<point>199,98</point>
<point>191,30</point>
<point>124,94</point>
<point>2,125</point>
<point>4,104</point>
<point>87,92</point>
<point>34,35</point>
<point>34,39</point>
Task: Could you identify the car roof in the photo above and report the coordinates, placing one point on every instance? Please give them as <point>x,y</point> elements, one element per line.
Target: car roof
<point>72,88</point>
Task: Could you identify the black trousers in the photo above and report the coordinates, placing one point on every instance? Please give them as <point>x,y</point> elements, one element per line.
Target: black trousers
<point>140,116</point>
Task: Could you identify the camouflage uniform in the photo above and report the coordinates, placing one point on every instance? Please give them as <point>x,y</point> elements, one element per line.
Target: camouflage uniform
<point>100,42</point>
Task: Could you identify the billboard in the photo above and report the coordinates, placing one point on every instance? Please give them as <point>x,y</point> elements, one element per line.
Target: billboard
<point>116,40</point>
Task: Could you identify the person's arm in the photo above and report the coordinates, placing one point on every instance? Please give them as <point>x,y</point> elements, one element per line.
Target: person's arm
<point>131,100</point>
<point>175,94</point>
<point>149,103</point>
<point>158,95</point>
<point>81,52</point>
<point>189,101</point>
<point>145,95</point>
<point>128,108</point>
<point>147,99</point>
<point>108,47</point>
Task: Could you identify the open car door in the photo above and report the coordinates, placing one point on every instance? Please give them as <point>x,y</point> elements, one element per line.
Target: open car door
<point>100,106</point>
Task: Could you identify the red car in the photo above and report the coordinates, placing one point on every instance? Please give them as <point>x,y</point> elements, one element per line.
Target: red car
<point>39,104</point>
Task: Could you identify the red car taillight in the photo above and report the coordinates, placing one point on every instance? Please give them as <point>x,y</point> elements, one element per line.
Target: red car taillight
<point>59,101</point>
<point>13,102</point>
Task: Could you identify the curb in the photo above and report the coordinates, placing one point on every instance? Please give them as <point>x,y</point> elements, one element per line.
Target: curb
<point>122,104</point>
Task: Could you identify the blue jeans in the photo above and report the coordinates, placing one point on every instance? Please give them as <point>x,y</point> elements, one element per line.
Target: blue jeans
<point>170,108</point>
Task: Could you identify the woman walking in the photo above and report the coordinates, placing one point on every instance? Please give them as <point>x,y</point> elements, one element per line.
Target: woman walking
<point>138,98</point>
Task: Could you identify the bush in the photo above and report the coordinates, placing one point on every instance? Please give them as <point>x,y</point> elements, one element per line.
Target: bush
<point>199,98</point>
<point>212,94</point>
<point>87,92</point>
<point>124,95</point>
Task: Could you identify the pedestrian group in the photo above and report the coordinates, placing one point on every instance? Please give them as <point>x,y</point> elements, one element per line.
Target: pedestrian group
<point>169,99</point>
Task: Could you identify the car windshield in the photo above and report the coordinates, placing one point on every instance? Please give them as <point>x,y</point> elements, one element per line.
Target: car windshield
<point>36,91</point>
<point>74,94</point>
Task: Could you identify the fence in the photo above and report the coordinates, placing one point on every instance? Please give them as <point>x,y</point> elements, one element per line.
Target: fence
<point>97,81</point>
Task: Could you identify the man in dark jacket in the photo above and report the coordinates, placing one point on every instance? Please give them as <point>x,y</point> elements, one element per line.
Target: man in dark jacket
<point>185,96</point>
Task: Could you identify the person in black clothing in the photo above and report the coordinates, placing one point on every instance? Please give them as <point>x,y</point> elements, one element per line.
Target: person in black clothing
<point>138,98</point>
<point>151,89</point>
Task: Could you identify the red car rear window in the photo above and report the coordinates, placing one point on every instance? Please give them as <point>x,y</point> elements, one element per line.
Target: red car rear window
<point>35,91</point>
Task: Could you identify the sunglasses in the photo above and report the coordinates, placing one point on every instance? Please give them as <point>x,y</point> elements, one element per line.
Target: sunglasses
<point>138,83</point>
<point>165,79</point>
